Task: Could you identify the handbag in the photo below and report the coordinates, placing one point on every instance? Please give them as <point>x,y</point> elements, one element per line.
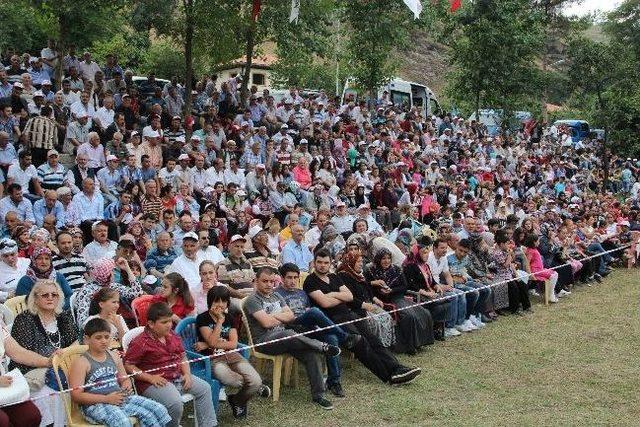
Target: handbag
<point>17,391</point>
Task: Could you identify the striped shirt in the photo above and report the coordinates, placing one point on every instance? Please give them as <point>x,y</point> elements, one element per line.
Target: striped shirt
<point>41,132</point>
<point>152,206</point>
<point>73,269</point>
<point>50,178</point>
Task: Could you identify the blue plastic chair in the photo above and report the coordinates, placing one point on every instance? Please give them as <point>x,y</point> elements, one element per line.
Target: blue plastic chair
<point>186,330</point>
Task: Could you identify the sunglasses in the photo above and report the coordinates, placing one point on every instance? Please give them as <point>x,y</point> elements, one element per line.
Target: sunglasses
<point>49,295</point>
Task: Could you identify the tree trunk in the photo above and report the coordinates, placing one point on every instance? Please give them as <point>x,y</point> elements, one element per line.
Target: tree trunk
<point>188,56</point>
<point>62,44</point>
<point>605,154</point>
<point>246,72</point>
<point>478,105</point>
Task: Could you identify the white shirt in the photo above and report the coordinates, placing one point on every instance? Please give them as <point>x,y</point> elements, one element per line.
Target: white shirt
<point>236,177</point>
<point>312,237</point>
<point>104,116</point>
<point>22,177</point>
<point>9,276</point>
<point>188,269</point>
<point>212,254</point>
<point>216,176</point>
<point>88,71</point>
<point>344,224</point>
<point>94,251</point>
<point>437,266</point>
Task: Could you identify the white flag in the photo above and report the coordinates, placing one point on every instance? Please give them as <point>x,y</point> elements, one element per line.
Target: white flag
<point>295,11</point>
<point>415,6</point>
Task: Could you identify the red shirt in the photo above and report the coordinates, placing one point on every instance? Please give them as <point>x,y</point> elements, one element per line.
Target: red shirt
<point>147,352</point>
<point>179,308</point>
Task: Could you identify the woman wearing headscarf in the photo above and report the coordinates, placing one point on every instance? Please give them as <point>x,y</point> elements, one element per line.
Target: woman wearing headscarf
<point>364,304</point>
<point>102,275</point>
<point>415,325</point>
<point>41,268</point>
<point>331,240</point>
<point>12,268</point>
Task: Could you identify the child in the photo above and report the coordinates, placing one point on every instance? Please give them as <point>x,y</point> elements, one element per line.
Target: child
<point>159,349</point>
<point>111,401</point>
<point>217,334</point>
<point>175,292</point>
<point>104,305</point>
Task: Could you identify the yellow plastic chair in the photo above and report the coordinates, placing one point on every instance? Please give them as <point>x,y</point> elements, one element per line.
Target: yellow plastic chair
<point>63,362</point>
<point>289,362</point>
<point>17,304</point>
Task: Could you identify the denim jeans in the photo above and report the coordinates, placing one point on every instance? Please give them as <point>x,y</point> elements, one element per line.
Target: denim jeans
<point>471,296</point>
<point>313,318</point>
<point>596,248</point>
<point>484,296</point>
<point>458,308</point>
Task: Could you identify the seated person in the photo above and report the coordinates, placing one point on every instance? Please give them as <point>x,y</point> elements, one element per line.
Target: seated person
<point>328,292</point>
<point>41,268</point>
<point>175,292</point>
<point>104,305</point>
<point>161,256</point>
<point>216,334</point>
<point>112,400</point>
<point>268,316</point>
<point>159,348</point>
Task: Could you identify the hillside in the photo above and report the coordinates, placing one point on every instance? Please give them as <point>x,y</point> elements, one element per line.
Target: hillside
<point>426,63</point>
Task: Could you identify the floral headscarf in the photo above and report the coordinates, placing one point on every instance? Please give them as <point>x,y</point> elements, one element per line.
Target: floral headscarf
<point>348,265</point>
<point>102,270</point>
<point>34,273</point>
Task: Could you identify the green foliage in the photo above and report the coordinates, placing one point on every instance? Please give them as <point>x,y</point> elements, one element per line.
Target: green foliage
<point>163,58</point>
<point>131,48</point>
<point>623,25</point>
<point>24,27</point>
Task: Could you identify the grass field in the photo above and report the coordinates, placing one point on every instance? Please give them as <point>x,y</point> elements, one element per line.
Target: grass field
<point>573,363</point>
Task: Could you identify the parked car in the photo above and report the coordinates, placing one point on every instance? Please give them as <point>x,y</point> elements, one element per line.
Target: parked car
<point>579,128</point>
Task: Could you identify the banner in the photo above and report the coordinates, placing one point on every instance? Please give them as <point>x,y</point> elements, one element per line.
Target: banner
<point>295,11</point>
<point>414,6</point>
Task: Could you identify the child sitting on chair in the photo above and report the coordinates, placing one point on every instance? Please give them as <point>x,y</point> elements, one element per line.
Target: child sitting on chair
<point>159,350</point>
<point>108,396</point>
<point>216,335</point>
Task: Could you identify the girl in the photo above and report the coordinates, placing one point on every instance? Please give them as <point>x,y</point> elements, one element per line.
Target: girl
<point>104,305</point>
<point>142,242</point>
<point>175,292</point>
<point>531,242</point>
<point>216,334</point>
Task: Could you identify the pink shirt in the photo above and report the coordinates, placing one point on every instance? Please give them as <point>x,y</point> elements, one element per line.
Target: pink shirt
<point>302,176</point>
<point>536,265</point>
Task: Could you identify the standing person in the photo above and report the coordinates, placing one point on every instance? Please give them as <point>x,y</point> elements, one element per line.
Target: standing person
<point>216,334</point>
<point>159,349</point>
<point>329,293</point>
<point>110,399</point>
<point>268,315</point>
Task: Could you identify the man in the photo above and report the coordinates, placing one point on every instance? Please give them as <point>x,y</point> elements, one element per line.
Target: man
<point>151,203</point>
<point>312,236</point>
<point>188,263</point>
<point>93,150</point>
<point>256,179</point>
<point>49,205</point>
<point>342,220</point>
<point>89,205</point>
<point>327,292</point>
<point>41,134</point>
<point>71,265</point>
<point>287,232</point>
<point>84,107</point>
<point>101,247</point>
<point>78,173</point>
<point>252,157</point>
<point>5,87</point>
<point>174,102</point>
<point>51,174</point>
<point>110,179</point>
<point>309,318</point>
<point>364,212</point>
<point>267,315</point>
<point>105,115</point>
<point>88,68</point>
<point>235,175</point>
<point>282,202</point>
<point>162,256</point>
<point>25,174</point>
<point>235,271</point>
<point>116,83</point>
<point>186,224</point>
<point>208,251</point>
<point>296,251</point>
<point>122,211</point>
<point>151,147</point>
<point>15,202</point>
<point>8,153</point>
<point>439,267</point>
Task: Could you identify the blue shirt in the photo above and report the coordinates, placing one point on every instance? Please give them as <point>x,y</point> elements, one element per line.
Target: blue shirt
<point>40,210</point>
<point>298,254</point>
<point>8,154</point>
<point>109,179</point>
<point>89,209</point>
<point>24,209</point>
<point>159,260</point>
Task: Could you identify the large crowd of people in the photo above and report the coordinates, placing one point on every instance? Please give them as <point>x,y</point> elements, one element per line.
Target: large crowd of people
<point>298,214</point>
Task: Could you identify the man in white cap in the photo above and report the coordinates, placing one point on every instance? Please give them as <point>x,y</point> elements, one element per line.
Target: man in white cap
<point>110,179</point>
<point>256,180</point>
<point>342,220</point>
<point>36,103</point>
<point>151,147</point>
<point>51,174</point>
<point>236,271</point>
<point>188,264</point>
<point>12,268</point>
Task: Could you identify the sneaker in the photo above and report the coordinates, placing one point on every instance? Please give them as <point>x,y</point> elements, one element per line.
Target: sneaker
<point>534,293</point>
<point>469,324</point>
<point>323,403</point>
<point>553,299</point>
<point>239,411</point>
<point>405,375</point>
<point>566,291</point>
<point>563,293</point>
<point>265,391</point>
<point>351,341</point>
<point>331,350</point>
<point>463,328</point>
<point>451,332</point>
<point>476,322</point>
<point>485,319</point>
<point>336,389</point>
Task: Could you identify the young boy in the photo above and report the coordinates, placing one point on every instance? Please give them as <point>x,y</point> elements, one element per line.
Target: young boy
<point>110,401</point>
<point>216,335</point>
<point>159,350</point>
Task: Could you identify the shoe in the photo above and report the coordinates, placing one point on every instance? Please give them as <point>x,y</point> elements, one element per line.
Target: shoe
<point>553,299</point>
<point>222,396</point>
<point>534,293</point>
<point>405,375</point>
<point>563,293</point>
<point>331,350</point>
<point>351,341</point>
<point>469,324</point>
<point>493,315</point>
<point>598,278</point>
<point>463,327</point>
<point>336,389</point>
<point>451,332</point>
<point>323,403</point>
<point>566,291</point>
<point>265,391</point>
<point>485,319</point>
<point>476,322</point>
<point>239,411</point>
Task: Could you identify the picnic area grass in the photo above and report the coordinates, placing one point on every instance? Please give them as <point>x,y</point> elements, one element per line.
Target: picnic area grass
<point>572,363</point>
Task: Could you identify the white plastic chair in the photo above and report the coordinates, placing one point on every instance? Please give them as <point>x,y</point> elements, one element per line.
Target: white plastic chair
<point>72,307</point>
<point>126,340</point>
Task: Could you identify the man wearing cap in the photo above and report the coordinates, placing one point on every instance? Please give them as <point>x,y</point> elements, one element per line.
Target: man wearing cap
<point>364,212</point>
<point>51,174</point>
<point>41,134</point>
<point>236,271</point>
<point>188,264</point>
<point>342,220</point>
<point>37,72</point>
<point>37,102</point>
<point>47,92</point>
<point>252,157</point>
<point>100,247</point>
<point>110,179</point>
<point>151,147</point>
<point>256,179</point>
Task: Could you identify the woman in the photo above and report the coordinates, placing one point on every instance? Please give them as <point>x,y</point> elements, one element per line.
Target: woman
<point>12,268</point>
<point>302,174</point>
<point>21,236</point>
<point>24,414</point>
<point>420,280</point>
<point>41,268</point>
<point>415,326</point>
<point>331,240</point>
<point>261,256</point>
<point>364,304</point>
<point>175,292</point>
<point>536,266</point>
<point>44,329</point>
<point>185,201</point>
<point>272,227</point>
<point>168,198</point>
<point>208,280</point>
<point>511,292</point>
<point>101,275</point>
<point>262,207</point>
